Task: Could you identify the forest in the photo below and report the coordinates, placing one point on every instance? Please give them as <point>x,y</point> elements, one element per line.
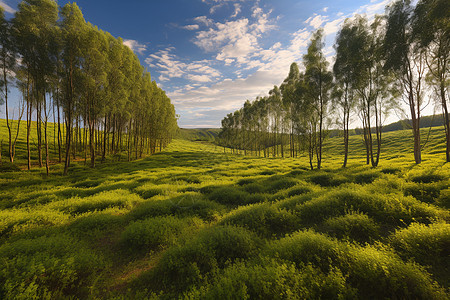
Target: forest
<point>87,82</point>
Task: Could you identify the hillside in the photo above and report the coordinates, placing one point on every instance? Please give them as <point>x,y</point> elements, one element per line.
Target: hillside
<point>195,222</point>
<point>198,134</point>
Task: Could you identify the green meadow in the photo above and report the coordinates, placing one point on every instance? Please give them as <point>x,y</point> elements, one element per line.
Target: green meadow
<point>197,222</point>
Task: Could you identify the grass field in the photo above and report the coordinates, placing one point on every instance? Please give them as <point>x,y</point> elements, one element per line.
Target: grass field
<point>194,222</point>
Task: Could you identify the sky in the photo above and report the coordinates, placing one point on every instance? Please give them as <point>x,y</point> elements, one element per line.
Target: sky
<point>210,56</point>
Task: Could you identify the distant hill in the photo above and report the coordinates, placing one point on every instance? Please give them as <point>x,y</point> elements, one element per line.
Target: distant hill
<point>198,134</point>
<point>425,122</point>
<point>209,134</point>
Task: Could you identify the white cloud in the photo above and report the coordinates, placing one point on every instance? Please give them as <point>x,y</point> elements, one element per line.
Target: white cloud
<point>316,20</point>
<point>204,20</point>
<point>237,10</point>
<point>170,66</point>
<point>7,8</point>
<point>135,46</point>
<point>235,40</point>
<point>325,9</point>
<point>191,27</point>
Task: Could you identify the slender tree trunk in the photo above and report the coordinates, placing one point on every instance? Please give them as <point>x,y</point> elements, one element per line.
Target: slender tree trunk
<point>5,80</point>
<point>45,136</point>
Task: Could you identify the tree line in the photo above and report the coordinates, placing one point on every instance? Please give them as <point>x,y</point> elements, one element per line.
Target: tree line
<point>99,96</point>
<point>400,56</point>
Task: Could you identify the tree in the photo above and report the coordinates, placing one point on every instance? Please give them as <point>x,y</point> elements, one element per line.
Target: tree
<point>431,27</point>
<point>7,65</point>
<point>318,84</point>
<point>407,60</point>
<point>73,28</point>
<point>348,43</point>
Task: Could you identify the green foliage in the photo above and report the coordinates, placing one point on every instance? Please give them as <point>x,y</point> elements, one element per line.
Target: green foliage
<point>327,180</point>
<point>183,266</point>
<point>233,196</point>
<point>146,235</point>
<point>189,239</point>
<point>8,167</point>
<point>390,210</point>
<point>182,206</point>
<point>427,245</point>
<point>269,279</point>
<point>354,226</point>
<point>372,272</point>
<point>264,219</point>
<point>47,267</point>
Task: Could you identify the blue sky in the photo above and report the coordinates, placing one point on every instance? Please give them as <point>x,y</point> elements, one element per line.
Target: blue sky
<point>212,55</point>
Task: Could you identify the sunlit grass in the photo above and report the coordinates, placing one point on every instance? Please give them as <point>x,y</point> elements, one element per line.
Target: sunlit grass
<point>196,221</point>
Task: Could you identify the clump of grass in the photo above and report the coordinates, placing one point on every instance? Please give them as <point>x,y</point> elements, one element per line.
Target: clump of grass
<point>327,180</point>
<point>230,196</point>
<point>51,267</point>
<point>426,192</point>
<point>264,219</point>
<point>253,188</point>
<point>391,170</point>
<point>366,177</point>
<point>93,224</point>
<point>245,181</point>
<point>427,245</point>
<point>143,236</point>
<point>184,205</point>
<point>199,259</point>
<point>276,184</point>
<point>270,279</point>
<point>371,272</point>
<point>300,190</point>
<point>8,167</point>
<point>354,226</point>
<point>267,172</point>
<point>98,202</point>
<point>390,210</point>
<point>427,177</point>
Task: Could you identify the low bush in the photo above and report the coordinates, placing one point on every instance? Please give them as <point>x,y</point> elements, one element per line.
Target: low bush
<point>391,170</point>
<point>371,272</point>
<point>229,195</point>
<point>47,267</point>
<point>199,259</point>
<point>8,167</point>
<point>277,184</point>
<point>426,192</point>
<point>427,245</point>
<point>101,201</point>
<point>194,205</point>
<point>366,177</point>
<point>267,172</point>
<point>327,180</point>
<point>264,219</point>
<point>270,279</point>
<point>427,177</point>
<point>253,188</point>
<point>143,236</point>
<point>390,210</point>
<point>95,223</point>
<point>354,226</point>
<point>245,181</point>
<point>299,190</point>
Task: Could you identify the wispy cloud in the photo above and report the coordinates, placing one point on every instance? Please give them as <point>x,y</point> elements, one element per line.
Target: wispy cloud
<point>170,66</point>
<point>191,27</point>
<point>135,46</point>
